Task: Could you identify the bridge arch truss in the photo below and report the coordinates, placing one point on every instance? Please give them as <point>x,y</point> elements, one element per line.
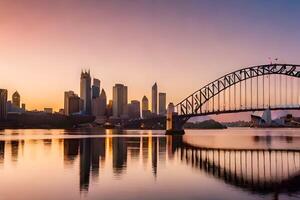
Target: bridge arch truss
<point>273,86</point>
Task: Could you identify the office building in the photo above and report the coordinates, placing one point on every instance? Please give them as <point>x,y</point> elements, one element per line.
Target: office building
<point>134,111</point>
<point>67,95</point>
<point>162,103</point>
<point>16,100</point>
<point>99,105</point>
<point>3,102</point>
<point>9,107</point>
<point>85,92</point>
<point>145,103</point>
<point>120,101</point>
<point>96,88</point>
<point>145,107</point>
<point>154,99</point>
<point>72,103</point>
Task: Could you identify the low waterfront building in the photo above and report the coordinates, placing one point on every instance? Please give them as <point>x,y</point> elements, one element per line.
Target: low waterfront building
<point>48,110</point>
<point>23,107</point>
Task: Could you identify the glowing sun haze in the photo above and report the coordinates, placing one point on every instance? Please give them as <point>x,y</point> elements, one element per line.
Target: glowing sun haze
<point>181,45</point>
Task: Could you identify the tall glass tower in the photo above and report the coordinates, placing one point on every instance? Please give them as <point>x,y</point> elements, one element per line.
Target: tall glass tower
<point>96,88</point>
<point>85,92</point>
<point>154,99</point>
<point>120,100</point>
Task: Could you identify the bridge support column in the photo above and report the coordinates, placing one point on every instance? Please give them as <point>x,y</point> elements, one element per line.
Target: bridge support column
<point>174,125</point>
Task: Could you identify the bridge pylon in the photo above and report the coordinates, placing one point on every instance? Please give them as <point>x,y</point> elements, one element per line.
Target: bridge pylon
<point>174,125</point>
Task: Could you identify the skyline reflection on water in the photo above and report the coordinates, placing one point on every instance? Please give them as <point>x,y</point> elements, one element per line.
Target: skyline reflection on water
<point>212,164</point>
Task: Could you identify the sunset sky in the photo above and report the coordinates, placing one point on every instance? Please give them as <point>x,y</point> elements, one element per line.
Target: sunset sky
<point>181,45</point>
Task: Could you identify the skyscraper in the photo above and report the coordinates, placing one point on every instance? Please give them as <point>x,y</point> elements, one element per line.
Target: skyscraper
<point>96,88</point>
<point>16,99</point>
<point>3,102</point>
<point>154,99</point>
<point>99,105</point>
<point>85,92</point>
<point>67,95</point>
<point>162,103</point>
<point>120,100</point>
<point>145,103</point>
<point>145,107</point>
<point>72,103</point>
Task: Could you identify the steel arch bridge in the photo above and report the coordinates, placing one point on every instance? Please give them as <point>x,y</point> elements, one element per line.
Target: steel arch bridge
<point>256,88</point>
<point>238,91</point>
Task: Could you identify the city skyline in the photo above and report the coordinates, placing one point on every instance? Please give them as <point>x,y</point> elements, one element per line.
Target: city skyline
<point>93,103</point>
<point>173,37</point>
<point>120,99</point>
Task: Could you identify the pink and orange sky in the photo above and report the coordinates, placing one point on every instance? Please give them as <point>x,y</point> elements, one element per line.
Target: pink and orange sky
<point>181,45</point>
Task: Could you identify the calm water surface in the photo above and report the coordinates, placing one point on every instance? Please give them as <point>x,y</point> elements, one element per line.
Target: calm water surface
<point>98,164</point>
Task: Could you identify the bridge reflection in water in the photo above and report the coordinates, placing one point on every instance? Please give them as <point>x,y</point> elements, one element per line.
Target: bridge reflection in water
<point>259,171</point>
